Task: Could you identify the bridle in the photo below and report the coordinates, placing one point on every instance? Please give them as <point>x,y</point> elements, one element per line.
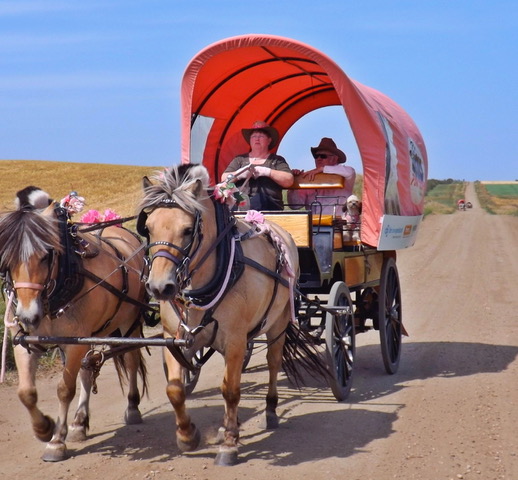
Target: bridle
<point>46,288</point>
<point>182,262</point>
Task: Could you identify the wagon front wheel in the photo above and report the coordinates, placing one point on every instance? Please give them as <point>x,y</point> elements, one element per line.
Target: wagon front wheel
<point>340,340</point>
<point>390,316</point>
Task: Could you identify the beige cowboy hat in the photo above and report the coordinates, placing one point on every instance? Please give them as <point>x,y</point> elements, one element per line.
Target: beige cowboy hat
<point>262,127</point>
<point>328,145</point>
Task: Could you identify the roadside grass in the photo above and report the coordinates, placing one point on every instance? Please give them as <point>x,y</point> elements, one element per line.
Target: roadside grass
<point>498,198</point>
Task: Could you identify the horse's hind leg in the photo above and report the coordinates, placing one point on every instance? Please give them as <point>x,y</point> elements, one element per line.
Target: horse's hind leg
<point>274,360</point>
<point>56,449</point>
<point>78,429</point>
<point>134,362</point>
<point>231,390</point>
<point>27,364</point>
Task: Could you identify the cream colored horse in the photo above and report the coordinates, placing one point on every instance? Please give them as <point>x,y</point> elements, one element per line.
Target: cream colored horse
<point>32,256</point>
<point>193,239</point>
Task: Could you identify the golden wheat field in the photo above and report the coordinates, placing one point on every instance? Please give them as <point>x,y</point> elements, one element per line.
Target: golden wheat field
<point>102,185</point>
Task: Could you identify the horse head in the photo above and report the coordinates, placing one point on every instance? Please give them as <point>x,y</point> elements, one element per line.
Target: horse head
<point>29,245</point>
<point>171,219</point>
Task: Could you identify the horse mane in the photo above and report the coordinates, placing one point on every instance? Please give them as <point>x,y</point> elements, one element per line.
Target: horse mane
<point>180,184</point>
<point>24,233</point>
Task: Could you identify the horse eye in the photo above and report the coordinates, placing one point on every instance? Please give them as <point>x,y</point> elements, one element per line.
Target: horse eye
<point>45,257</point>
<point>188,231</point>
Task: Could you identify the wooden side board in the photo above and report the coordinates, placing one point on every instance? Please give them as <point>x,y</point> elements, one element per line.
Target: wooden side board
<point>321,180</point>
<point>297,223</point>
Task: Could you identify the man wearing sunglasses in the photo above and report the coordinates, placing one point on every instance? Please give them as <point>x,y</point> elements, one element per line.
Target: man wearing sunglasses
<point>328,159</point>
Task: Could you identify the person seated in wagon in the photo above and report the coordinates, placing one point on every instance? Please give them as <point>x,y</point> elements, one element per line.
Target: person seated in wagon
<point>328,159</point>
<point>269,173</point>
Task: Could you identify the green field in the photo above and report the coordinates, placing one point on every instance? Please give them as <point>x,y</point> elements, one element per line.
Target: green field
<point>502,189</point>
<point>498,197</point>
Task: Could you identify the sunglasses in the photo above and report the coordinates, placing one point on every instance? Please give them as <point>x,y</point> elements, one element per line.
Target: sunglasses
<point>323,155</point>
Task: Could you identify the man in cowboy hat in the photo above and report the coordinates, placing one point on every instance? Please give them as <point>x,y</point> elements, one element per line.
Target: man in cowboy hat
<point>328,159</point>
<point>268,173</point>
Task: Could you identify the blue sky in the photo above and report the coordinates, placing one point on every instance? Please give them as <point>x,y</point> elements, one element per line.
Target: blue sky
<point>99,80</point>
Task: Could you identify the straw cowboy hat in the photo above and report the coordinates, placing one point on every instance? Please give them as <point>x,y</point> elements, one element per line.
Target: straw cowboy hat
<point>262,127</point>
<point>328,145</point>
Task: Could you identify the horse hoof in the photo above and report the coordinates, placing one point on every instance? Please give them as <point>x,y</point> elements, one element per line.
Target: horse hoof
<point>132,416</point>
<point>55,453</point>
<point>76,434</point>
<point>45,434</point>
<point>226,457</point>
<point>272,421</point>
<point>190,443</point>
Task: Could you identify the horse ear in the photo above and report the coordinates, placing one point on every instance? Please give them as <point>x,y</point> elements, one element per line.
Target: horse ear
<point>198,188</point>
<point>49,210</point>
<point>146,182</point>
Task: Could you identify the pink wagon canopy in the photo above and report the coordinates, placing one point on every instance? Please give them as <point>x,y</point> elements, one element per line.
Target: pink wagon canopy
<point>236,81</point>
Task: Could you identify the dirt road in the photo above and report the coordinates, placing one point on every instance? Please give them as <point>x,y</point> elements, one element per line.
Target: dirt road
<point>450,412</point>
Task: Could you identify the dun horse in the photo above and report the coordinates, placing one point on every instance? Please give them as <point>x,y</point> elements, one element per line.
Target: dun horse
<point>69,284</point>
<point>221,281</point>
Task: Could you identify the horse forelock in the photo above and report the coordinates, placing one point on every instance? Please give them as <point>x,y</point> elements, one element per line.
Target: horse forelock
<point>24,233</point>
<point>179,184</point>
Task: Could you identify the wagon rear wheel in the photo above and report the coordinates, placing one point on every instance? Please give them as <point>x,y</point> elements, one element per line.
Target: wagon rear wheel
<point>390,316</point>
<point>189,378</point>
<point>248,354</point>
<point>340,340</point>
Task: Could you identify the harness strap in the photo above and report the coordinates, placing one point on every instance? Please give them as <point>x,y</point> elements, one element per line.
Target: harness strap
<point>103,283</point>
<point>267,271</point>
<point>218,240</point>
<point>33,286</point>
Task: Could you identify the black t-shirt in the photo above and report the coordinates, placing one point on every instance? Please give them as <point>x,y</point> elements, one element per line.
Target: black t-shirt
<point>264,193</point>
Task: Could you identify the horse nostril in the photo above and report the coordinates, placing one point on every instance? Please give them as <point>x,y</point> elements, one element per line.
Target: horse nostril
<point>163,291</point>
<point>169,290</point>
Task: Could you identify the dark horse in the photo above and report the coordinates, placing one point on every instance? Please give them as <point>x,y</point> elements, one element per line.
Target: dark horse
<point>221,281</point>
<point>70,284</point>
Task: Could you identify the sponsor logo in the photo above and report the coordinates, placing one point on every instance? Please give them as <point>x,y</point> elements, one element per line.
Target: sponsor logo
<point>393,231</point>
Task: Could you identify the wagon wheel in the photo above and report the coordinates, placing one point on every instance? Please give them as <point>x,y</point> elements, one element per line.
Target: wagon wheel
<point>340,340</point>
<point>248,354</point>
<point>190,378</point>
<point>390,316</point>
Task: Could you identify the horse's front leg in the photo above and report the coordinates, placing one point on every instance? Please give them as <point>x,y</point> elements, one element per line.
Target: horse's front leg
<point>231,390</point>
<point>56,449</point>
<point>27,364</point>
<point>187,434</point>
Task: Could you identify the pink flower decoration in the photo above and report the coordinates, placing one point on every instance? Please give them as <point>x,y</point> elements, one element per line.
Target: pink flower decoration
<point>218,193</point>
<point>109,214</point>
<point>253,216</point>
<point>92,216</point>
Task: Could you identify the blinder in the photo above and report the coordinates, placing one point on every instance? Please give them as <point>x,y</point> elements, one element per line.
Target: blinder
<point>141,225</point>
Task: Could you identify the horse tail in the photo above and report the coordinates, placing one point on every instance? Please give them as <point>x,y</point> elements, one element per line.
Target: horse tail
<point>122,370</point>
<point>300,354</point>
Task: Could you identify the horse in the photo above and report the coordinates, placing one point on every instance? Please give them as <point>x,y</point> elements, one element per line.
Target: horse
<point>220,281</point>
<point>66,283</point>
